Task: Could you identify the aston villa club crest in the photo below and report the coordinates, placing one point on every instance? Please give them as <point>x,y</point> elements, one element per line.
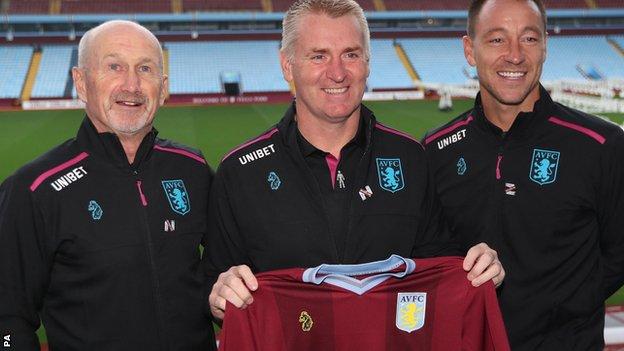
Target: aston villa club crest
<point>544,166</point>
<point>177,196</point>
<point>410,311</point>
<point>390,174</point>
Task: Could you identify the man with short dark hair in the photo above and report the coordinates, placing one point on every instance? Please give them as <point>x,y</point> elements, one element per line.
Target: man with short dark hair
<point>99,236</point>
<point>539,182</point>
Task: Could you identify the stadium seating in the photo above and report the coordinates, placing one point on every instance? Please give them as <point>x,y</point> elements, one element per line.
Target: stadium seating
<point>165,6</point>
<point>29,6</point>
<point>609,3</point>
<point>283,5</point>
<point>566,55</point>
<point>115,6</point>
<point>196,67</point>
<point>437,60</point>
<point>420,5</point>
<point>386,70</point>
<point>54,71</point>
<point>565,4</point>
<point>14,63</point>
<point>222,5</point>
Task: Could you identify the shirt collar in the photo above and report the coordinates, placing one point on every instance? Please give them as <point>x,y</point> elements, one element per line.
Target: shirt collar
<point>524,120</point>
<point>307,149</point>
<point>107,145</point>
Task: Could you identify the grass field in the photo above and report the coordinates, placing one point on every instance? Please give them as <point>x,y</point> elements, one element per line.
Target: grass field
<point>215,130</point>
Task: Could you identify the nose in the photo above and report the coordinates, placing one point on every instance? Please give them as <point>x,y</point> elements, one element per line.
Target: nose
<point>132,82</point>
<point>515,52</point>
<point>336,70</point>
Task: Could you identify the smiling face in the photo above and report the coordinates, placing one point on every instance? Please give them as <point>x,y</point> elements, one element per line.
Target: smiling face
<point>508,48</point>
<point>121,83</point>
<point>328,68</point>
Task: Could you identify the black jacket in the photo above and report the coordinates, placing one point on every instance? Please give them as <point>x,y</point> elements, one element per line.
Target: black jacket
<point>548,195</point>
<point>106,253</point>
<point>266,208</point>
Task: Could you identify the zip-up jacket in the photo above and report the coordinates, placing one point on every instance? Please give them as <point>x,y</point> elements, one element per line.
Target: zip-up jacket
<point>104,252</point>
<point>267,209</point>
<point>548,195</point>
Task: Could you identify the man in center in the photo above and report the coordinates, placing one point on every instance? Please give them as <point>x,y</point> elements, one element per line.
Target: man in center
<point>328,183</point>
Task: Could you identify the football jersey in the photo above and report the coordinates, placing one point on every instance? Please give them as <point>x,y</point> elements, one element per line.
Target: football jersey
<point>395,304</point>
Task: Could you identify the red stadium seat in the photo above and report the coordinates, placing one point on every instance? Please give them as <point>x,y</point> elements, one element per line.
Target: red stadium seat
<point>29,6</point>
<point>222,5</point>
<point>115,6</point>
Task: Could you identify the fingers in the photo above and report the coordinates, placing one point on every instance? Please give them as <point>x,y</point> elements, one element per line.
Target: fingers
<point>234,286</point>
<point>482,265</point>
<point>473,254</point>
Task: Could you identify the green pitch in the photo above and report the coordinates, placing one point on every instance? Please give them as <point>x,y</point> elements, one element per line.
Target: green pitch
<point>215,130</point>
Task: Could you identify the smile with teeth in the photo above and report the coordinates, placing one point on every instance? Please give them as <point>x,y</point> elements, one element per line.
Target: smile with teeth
<point>335,90</point>
<point>511,74</point>
<point>129,103</point>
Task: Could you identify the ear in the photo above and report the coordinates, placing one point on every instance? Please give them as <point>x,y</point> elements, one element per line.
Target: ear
<point>78,75</point>
<point>164,91</point>
<point>286,67</point>
<point>468,50</point>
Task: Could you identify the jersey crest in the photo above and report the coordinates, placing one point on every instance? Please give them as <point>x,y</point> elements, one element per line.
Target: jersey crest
<point>177,195</point>
<point>390,174</point>
<point>544,166</point>
<point>306,321</point>
<point>410,311</point>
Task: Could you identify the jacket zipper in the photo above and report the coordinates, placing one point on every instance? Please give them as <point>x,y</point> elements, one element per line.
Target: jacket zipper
<point>141,195</point>
<point>152,263</point>
<point>498,163</point>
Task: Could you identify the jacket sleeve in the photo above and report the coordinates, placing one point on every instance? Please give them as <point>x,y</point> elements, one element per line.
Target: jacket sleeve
<point>23,266</point>
<point>223,244</point>
<point>611,213</point>
<point>434,237</point>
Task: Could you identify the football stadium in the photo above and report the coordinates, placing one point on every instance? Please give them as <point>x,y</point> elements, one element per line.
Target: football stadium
<point>226,85</point>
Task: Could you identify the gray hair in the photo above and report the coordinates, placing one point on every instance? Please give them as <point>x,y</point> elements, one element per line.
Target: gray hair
<point>331,8</point>
<point>85,41</point>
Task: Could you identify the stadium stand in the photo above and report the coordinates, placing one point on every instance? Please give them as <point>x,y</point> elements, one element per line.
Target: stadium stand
<point>29,6</point>
<point>580,57</point>
<point>437,60</point>
<point>403,5</point>
<point>167,6</point>
<point>53,72</point>
<point>619,40</point>
<point>283,5</point>
<point>565,4</point>
<point>386,70</point>
<point>609,3</point>
<point>115,6</point>
<point>196,67</point>
<point>222,5</point>
<point>14,61</point>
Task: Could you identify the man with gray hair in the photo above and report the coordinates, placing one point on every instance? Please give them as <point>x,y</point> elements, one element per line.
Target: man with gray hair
<point>276,202</point>
<point>99,238</point>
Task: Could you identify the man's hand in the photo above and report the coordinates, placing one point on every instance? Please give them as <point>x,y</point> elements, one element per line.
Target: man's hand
<point>482,264</point>
<point>233,285</point>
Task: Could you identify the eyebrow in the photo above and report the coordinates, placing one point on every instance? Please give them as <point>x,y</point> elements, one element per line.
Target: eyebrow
<point>324,51</point>
<point>524,30</point>
<point>141,60</point>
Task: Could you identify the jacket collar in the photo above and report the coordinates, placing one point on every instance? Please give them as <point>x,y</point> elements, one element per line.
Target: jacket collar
<point>108,147</point>
<point>288,127</point>
<point>524,122</point>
